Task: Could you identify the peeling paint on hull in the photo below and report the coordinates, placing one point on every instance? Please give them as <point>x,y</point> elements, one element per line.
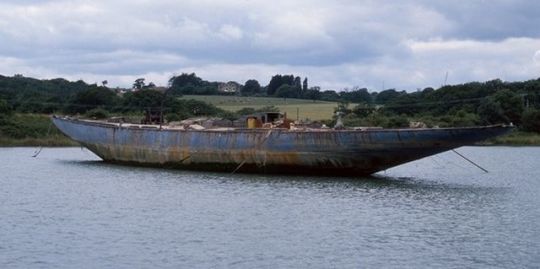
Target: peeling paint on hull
<point>333,152</point>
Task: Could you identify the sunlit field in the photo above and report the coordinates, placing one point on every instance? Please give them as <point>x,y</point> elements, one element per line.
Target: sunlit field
<point>295,108</point>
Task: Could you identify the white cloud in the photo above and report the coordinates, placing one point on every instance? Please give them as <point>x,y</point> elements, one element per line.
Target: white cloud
<point>336,44</point>
<point>230,32</point>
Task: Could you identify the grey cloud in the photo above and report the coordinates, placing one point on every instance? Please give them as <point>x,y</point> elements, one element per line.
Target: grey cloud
<point>489,20</point>
<point>346,40</point>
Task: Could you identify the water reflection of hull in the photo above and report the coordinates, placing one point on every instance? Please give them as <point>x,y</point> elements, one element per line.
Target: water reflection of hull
<point>328,152</point>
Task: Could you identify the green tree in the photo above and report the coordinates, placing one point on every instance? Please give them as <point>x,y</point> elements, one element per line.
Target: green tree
<point>191,84</point>
<point>97,113</point>
<point>330,95</point>
<point>504,106</point>
<point>357,95</point>
<point>275,83</point>
<point>388,95</point>
<point>287,91</point>
<point>139,84</point>
<point>313,93</point>
<point>491,112</point>
<point>298,83</point>
<point>531,120</point>
<point>511,104</point>
<point>5,108</point>
<point>143,99</point>
<point>186,79</point>
<point>92,98</point>
<point>279,80</point>
<point>250,88</point>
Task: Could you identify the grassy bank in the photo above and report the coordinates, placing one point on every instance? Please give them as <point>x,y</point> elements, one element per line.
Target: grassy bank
<point>516,138</point>
<point>31,130</point>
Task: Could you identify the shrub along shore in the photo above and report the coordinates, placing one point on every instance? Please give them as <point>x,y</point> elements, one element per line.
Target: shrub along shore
<point>24,103</point>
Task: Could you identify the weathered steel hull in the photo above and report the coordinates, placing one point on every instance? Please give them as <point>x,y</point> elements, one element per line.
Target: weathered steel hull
<point>334,152</point>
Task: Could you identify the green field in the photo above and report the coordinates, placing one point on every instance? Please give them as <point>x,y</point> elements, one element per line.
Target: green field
<point>306,109</point>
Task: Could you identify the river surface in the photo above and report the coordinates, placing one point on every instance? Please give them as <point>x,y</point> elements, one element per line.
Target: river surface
<point>67,209</point>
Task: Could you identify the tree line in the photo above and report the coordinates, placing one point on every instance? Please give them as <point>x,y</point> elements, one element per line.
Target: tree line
<point>472,103</point>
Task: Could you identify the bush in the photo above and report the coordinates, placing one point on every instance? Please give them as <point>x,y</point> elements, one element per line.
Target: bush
<point>246,111</point>
<point>396,122</point>
<point>97,113</point>
<point>10,128</point>
<point>531,120</point>
<point>173,117</point>
<point>504,106</point>
<point>20,126</point>
<point>363,110</point>
<point>287,91</point>
<point>92,98</point>
<point>5,108</point>
<point>376,120</point>
<point>464,119</point>
<point>352,121</point>
<point>491,112</point>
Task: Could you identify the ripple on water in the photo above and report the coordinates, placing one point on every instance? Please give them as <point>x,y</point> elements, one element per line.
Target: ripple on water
<point>68,209</point>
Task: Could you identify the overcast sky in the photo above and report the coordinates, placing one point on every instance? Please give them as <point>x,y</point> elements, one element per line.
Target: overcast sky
<point>337,44</point>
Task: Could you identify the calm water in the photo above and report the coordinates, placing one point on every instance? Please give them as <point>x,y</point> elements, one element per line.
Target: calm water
<point>66,209</point>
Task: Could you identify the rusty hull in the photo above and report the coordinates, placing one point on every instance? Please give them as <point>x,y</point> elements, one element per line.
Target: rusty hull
<point>319,152</point>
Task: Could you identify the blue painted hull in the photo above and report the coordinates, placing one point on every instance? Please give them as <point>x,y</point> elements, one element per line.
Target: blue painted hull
<point>328,152</point>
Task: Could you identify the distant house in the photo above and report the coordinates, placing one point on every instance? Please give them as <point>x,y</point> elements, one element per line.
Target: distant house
<point>120,91</point>
<point>229,87</point>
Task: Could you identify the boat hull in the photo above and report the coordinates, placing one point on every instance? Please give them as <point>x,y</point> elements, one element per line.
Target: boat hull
<point>330,152</point>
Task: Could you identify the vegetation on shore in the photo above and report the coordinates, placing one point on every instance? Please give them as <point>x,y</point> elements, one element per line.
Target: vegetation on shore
<point>25,101</point>
<point>516,138</point>
<point>31,130</point>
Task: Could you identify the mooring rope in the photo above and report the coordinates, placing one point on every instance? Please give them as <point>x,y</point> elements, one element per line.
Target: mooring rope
<point>238,167</point>
<point>38,151</point>
<point>470,161</point>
